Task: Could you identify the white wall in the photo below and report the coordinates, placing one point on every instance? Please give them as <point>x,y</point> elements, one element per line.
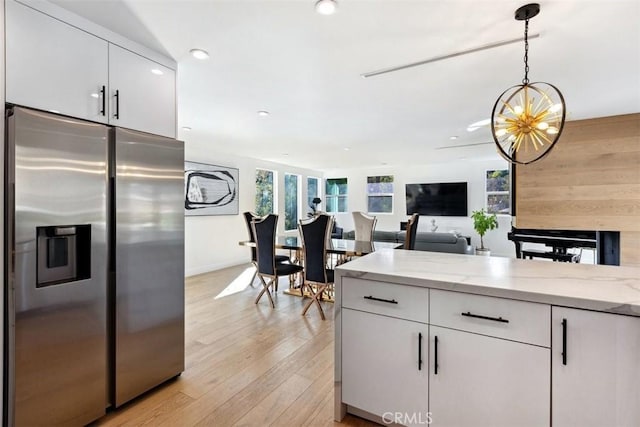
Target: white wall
<point>470,171</point>
<point>211,242</point>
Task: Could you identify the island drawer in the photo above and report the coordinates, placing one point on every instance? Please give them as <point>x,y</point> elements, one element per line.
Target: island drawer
<point>521,321</point>
<point>389,299</point>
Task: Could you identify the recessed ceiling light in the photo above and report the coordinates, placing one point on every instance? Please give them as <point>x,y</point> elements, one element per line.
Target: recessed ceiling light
<point>199,53</point>
<point>326,7</point>
<point>346,148</point>
<point>157,72</point>
<point>263,113</point>
<point>186,128</point>
<point>477,125</point>
<point>453,137</point>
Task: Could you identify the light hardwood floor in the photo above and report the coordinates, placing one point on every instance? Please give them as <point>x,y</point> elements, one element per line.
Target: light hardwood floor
<point>246,365</point>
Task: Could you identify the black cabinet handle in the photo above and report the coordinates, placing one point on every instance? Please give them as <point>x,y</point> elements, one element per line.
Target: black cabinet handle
<point>390,301</point>
<point>419,351</point>
<point>117,96</point>
<point>104,101</point>
<point>478,316</point>
<point>564,341</point>
<point>435,358</point>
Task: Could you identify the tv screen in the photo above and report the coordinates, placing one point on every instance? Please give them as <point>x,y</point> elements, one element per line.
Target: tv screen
<point>441,199</point>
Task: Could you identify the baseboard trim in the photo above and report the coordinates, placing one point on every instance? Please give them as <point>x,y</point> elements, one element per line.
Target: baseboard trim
<point>213,267</point>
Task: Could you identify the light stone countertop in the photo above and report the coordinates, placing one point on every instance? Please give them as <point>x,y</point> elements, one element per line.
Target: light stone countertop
<point>605,288</point>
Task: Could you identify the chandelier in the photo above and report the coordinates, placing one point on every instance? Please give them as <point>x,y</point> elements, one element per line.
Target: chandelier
<point>527,119</point>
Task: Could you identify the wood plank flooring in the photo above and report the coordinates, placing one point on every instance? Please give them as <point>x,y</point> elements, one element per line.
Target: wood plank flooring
<point>246,365</point>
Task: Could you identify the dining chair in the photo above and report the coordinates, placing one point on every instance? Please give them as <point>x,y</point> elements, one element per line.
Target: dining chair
<point>364,226</point>
<point>316,277</point>
<point>268,269</point>
<point>412,228</point>
<point>248,217</point>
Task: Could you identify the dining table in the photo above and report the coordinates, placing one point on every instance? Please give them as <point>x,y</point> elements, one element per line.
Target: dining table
<point>344,249</point>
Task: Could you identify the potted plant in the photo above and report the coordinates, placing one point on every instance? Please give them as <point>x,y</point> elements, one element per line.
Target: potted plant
<point>483,222</point>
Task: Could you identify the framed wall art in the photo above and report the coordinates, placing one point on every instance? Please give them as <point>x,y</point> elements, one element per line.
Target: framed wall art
<point>210,189</point>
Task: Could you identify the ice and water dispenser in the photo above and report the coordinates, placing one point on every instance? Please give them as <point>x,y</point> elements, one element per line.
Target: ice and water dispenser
<point>64,254</point>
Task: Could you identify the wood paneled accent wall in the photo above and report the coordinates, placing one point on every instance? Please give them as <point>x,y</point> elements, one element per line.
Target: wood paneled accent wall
<point>589,181</point>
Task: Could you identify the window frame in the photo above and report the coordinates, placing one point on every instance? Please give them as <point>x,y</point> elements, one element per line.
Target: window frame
<point>488,193</point>
<point>297,195</point>
<point>337,197</point>
<point>318,194</point>
<point>392,194</point>
<point>274,191</point>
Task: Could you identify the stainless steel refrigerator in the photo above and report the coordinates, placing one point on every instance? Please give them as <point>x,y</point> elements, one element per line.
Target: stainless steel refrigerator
<point>95,277</point>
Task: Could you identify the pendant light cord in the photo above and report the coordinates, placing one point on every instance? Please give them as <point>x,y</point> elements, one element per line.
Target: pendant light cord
<point>525,81</point>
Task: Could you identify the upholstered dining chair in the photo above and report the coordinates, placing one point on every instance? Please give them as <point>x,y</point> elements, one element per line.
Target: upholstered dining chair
<point>364,226</point>
<point>412,228</point>
<point>268,269</point>
<point>248,217</point>
<point>316,277</point>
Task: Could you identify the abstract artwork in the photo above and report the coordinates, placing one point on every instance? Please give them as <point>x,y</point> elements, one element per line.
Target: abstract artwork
<point>210,189</point>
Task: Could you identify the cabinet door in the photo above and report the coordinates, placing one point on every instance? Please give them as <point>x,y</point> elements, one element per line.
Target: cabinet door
<point>380,372</point>
<point>483,381</point>
<point>53,66</point>
<point>142,92</point>
<point>597,383</point>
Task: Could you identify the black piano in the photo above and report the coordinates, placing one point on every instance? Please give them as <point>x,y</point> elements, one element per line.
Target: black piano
<point>606,243</point>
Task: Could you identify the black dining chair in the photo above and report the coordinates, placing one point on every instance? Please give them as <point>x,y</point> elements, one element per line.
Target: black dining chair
<point>412,228</point>
<point>248,217</point>
<point>268,269</point>
<point>316,277</point>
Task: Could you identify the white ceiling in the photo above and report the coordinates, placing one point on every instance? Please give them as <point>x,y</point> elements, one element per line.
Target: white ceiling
<point>304,68</point>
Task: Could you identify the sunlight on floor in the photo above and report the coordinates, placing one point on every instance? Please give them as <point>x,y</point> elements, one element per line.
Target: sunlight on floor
<point>238,284</point>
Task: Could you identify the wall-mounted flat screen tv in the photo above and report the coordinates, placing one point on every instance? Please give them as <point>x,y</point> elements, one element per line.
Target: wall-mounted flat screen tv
<point>439,199</point>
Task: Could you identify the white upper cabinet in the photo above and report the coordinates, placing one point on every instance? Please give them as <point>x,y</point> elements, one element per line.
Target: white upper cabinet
<point>53,66</point>
<point>142,93</point>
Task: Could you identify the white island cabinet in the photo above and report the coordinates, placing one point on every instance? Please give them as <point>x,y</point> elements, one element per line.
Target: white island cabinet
<point>56,66</point>
<point>595,369</point>
<point>491,357</point>
<point>395,320</point>
<point>510,342</point>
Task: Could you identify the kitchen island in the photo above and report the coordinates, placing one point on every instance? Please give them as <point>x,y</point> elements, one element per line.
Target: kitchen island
<point>456,340</point>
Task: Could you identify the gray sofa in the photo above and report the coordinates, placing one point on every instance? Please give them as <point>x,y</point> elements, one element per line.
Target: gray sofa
<point>425,241</point>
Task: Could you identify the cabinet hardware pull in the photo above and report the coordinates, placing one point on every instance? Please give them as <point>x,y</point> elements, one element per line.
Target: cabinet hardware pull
<point>104,101</point>
<point>478,316</point>
<point>117,113</point>
<point>564,341</point>
<point>390,301</point>
<point>435,359</point>
<point>419,351</point>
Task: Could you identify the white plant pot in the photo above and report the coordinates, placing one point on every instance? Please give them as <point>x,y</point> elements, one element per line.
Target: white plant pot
<point>483,252</point>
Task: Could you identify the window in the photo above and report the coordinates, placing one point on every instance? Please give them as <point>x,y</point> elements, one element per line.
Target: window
<point>290,201</point>
<point>313,191</point>
<point>380,194</point>
<point>336,191</point>
<point>498,184</point>
<point>264,192</point>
